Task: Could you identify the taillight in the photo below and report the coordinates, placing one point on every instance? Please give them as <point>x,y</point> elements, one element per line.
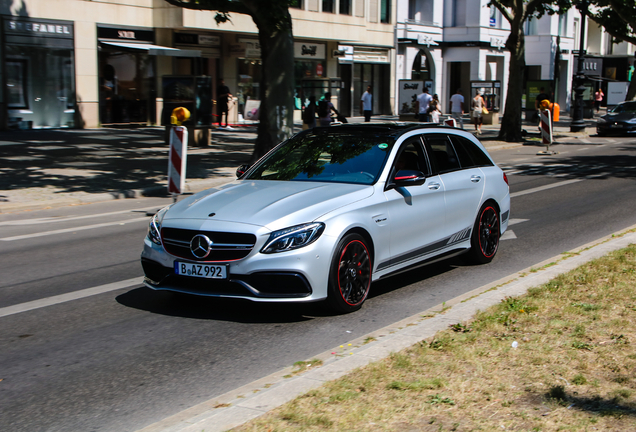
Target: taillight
<point>506,179</point>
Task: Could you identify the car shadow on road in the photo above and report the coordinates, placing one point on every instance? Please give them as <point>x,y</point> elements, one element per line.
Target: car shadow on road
<point>218,309</point>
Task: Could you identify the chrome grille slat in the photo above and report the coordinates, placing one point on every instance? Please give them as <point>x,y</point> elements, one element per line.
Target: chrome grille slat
<point>225,246</point>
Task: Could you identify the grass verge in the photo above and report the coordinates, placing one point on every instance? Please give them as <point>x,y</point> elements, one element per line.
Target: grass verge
<point>560,358</point>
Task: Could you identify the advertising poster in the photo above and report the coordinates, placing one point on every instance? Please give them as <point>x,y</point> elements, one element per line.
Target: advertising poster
<point>409,89</point>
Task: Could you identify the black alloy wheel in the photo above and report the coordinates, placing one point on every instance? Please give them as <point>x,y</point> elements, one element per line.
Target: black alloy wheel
<point>350,275</point>
<point>484,241</point>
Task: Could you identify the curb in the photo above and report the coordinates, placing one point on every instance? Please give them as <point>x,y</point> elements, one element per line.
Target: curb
<point>246,403</point>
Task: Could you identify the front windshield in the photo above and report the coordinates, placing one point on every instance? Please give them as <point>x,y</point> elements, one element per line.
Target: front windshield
<point>628,107</point>
<point>327,157</point>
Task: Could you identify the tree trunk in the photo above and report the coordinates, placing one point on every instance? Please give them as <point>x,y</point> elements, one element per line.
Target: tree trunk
<point>511,123</point>
<point>276,112</point>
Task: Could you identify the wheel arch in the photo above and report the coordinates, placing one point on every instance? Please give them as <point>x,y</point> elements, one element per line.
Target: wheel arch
<point>367,237</point>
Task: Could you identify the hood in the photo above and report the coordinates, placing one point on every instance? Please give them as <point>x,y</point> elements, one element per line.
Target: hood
<point>621,117</point>
<point>264,203</point>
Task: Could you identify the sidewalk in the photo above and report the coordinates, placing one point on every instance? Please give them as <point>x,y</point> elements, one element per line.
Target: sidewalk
<point>48,168</point>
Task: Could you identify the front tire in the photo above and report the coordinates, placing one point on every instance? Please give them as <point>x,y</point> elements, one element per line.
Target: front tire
<point>484,241</point>
<point>350,274</point>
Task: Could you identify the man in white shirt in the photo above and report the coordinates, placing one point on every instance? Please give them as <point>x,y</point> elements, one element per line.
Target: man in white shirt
<point>366,104</point>
<point>457,107</point>
<point>422,104</point>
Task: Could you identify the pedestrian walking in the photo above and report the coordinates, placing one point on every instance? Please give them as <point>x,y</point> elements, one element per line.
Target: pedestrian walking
<point>457,107</point>
<point>223,95</point>
<point>435,109</point>
<point>366,104</point>
<point>598,98</point>
<point>477,111</point>
<point>325,107</point>
<point>423,100</point>
<point>309,114</point>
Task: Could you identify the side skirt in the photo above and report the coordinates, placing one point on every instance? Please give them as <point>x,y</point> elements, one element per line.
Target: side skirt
<point>441,257</point>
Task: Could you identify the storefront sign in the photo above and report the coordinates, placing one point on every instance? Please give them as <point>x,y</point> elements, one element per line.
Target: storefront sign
<point>40,28</point>
<point>348,53</point>
<point>309,50</point>
<point>592,66</point>
<point>252,48</point>
<point>197,39</point>
<point>370,55</point>
<point>126,34</point>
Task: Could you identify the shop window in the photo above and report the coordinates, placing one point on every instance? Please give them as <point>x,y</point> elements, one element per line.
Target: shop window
<point>17,83</point>
<point>345,7</point>
<point>327,6</point>
<point>127,87</point>
<point>248,87</point>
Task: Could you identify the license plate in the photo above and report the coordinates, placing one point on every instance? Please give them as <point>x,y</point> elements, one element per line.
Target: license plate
<point>208,271</point>
<point>616,126</point>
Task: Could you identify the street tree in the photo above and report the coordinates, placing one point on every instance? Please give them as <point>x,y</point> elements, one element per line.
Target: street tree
<point>274,25</point>
<point>618,18</point>
<point>517,12</point>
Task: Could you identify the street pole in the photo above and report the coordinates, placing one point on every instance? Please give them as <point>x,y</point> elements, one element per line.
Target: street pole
<point>578,124</point>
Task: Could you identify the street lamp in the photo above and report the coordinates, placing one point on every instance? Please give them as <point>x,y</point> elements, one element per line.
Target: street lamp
<point>578,124</point>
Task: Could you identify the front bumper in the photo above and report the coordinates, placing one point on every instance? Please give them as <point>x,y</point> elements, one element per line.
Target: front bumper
<point>615,128</point>
<point>299,275</point>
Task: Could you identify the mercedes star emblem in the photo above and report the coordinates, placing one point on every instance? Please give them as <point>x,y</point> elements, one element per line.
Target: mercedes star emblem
<point>200,246</point>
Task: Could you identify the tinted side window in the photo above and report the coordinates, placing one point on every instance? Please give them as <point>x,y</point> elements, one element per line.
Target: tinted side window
<point>411,157</point>
<point>442,154</point>
<point>467,147</point>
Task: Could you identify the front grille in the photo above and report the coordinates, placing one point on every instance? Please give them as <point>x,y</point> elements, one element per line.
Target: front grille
<point>225,246</point>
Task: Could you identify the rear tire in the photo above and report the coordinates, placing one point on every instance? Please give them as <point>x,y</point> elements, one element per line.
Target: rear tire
<point>484,241</point>
<point>349,275</point>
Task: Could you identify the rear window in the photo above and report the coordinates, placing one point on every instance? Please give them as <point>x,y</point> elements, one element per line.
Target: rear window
<point>470,155</point>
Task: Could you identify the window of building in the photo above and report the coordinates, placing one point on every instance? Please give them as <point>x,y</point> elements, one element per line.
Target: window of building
<point>327,6</point>
<point>17,83</point>
<point>563,25</point>
<point>345,7</point>
<point>531,28</point>
<point>385,11</point>
<point>297,4</point>
<point>459,13</point>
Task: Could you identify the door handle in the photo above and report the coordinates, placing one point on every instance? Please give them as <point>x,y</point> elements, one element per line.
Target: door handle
<point>433,186</point>
<point>475,179</point>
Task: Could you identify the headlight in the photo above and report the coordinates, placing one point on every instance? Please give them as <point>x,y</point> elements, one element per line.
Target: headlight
<point>631,121</point>
<point>601,120</point>
<point>293,237</point>
<point>154,229</point>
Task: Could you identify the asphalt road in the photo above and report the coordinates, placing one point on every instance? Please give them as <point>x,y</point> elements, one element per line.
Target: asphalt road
<point>125,357</point>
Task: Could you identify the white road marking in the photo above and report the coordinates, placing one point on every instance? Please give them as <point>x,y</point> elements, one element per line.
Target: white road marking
<point>62,298</point>
<point>542,188</point>
<point>508,235</point>
<point>516,221</point>
<point>66,230</point>
<point>71,218</point>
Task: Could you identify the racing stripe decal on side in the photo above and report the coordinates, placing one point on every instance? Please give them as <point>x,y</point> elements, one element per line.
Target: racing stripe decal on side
<point>442,244</point>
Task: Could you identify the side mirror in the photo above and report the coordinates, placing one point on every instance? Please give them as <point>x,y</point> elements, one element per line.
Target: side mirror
<point>241,170</point>
<point>405,178</point>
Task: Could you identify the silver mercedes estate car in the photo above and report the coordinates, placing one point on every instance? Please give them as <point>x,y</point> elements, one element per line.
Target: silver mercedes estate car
<point>329,211</point>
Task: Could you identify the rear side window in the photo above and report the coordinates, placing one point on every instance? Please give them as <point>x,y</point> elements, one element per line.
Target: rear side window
<point>469,154</point>
<point>442,154</point>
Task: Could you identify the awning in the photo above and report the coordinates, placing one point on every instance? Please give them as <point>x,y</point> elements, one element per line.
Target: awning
<point>156,50</point>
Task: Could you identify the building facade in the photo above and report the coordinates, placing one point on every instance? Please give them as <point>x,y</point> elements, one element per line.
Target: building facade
<point>88,63</point>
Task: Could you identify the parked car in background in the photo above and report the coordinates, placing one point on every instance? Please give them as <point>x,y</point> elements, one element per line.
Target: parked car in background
<point>620,120</point>
<point>328,212</point>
